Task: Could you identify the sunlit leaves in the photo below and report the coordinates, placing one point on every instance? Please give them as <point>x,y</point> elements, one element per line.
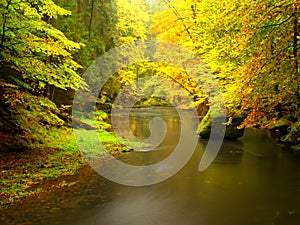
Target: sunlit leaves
<point>133,19</point>
<point>34,48</point>
<point>251,46</point>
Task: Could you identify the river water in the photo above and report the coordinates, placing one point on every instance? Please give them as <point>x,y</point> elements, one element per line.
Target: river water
<point>252,181</point>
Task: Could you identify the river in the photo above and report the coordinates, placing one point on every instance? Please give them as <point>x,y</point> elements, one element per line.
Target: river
<point>252,181</point>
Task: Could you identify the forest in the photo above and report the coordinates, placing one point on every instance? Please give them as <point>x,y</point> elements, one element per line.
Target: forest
<point>251,47</point>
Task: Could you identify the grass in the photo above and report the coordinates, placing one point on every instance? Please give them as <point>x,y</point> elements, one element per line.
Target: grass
<point>24,173</point>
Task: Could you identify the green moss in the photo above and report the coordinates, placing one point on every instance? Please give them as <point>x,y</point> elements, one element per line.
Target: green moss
<point>22,173</point>
<point>205,126</point>
<point>151,101</point>
<point>231,132</point>
<point>26,117</point>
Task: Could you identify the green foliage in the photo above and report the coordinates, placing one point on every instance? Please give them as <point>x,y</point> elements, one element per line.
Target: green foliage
<point>101,119</point>
<point>23,173</point>
<point>27,117</point>
<point>31,46</point>
<point>106,143</point>
<point>177,85</point>
<point>94,25</point>
<point>293,135</point>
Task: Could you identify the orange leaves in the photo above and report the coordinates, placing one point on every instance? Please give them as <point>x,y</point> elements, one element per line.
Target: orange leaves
<point>249,44</point>
<point>255,117</point>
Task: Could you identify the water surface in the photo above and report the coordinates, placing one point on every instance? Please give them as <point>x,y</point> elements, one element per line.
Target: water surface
<point>253,181</point>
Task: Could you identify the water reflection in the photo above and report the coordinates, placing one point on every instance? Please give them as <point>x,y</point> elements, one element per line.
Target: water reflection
<point>251,182</point>
<point>139,120</point>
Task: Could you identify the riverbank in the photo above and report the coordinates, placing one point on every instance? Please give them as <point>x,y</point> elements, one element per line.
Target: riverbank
<point>64,193</point>
<point>22,173</point>
<point>260,175</point>
<point>45,165</point>
<point>25,173</point>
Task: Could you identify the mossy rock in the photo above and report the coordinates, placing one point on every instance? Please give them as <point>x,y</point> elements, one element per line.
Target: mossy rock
<point>232,132</point>
<point>151,101</point>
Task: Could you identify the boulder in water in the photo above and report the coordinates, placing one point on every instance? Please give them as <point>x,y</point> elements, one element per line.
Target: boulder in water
<point>232,130</point>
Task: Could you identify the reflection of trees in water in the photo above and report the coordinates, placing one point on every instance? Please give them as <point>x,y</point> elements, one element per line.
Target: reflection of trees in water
<point>140,120</point>
<point>231,152</point>
<point>139,126</point>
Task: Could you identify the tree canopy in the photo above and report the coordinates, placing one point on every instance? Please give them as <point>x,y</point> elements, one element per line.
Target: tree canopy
<point>252,47</point>
<point>31,46</point>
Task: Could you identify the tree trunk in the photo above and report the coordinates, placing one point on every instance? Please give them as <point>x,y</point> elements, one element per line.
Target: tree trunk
<point>4,24</point>
<point>91,17</point>
<point>295,42</point>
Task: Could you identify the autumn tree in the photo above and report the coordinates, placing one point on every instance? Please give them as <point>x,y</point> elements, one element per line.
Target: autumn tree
<point>252,48</point>
<point>270,76</point>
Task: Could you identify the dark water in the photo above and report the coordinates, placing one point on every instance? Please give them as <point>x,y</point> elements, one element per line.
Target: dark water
<point>253,181</point>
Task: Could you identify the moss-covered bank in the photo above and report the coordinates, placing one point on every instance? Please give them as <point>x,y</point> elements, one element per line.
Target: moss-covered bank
<point>23,173</point>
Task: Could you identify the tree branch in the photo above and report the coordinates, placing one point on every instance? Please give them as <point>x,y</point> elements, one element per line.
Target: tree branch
<point>277,24</point>
<point>177,14</point>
